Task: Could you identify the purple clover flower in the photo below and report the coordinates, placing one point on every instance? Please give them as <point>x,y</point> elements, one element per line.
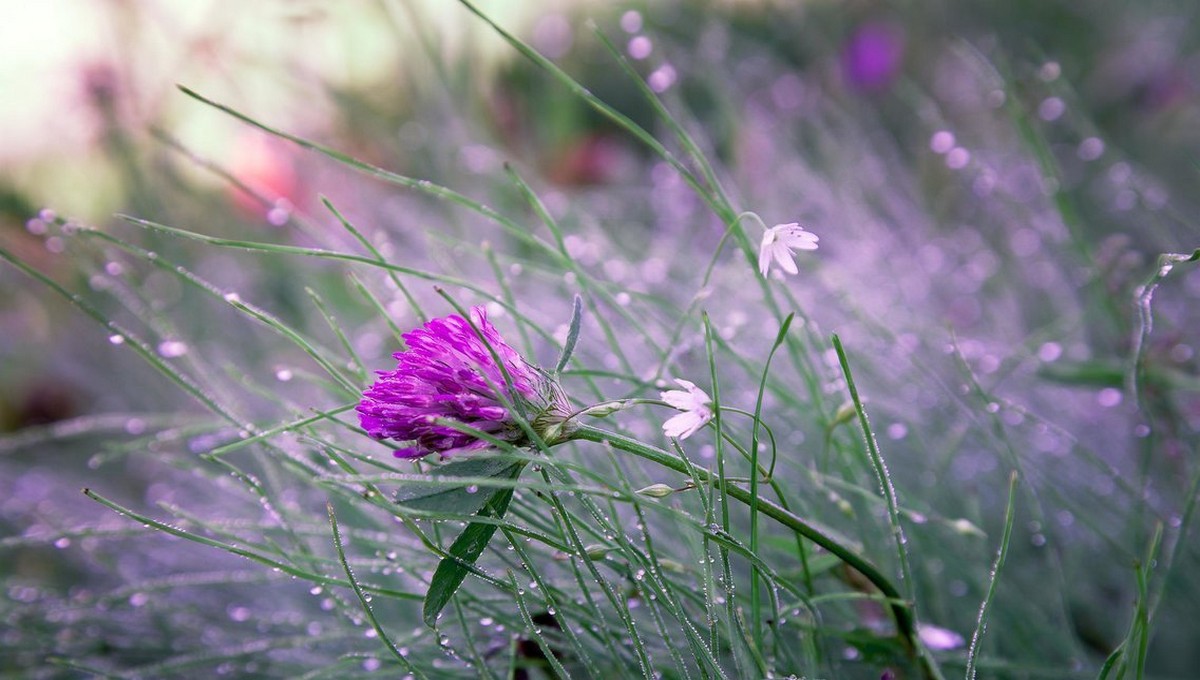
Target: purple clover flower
<point>449,372</point>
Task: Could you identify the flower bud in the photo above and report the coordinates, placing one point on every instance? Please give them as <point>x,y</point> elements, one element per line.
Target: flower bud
<point>606,408</point>
<point>656,491</point>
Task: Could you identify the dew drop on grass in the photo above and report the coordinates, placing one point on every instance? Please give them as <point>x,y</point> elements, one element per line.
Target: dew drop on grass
<point>941,142</point>
<point>138,599</point>
<point>473,488</point>
<point>316,590</point>
<point>232,297</point>
<point>63,542</point>
<point>486,621</point>
<point>116,339</point>
<point>371,664</point>
<point>170,349</point>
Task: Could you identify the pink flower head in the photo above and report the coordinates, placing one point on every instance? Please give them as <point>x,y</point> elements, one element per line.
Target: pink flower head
<point>449,372</point>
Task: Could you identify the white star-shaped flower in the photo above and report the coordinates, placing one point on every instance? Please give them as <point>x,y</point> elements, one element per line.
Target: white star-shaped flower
<point>696,406</point>
<point>778,243</point>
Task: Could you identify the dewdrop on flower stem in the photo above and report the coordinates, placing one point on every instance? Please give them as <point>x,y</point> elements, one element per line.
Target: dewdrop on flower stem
<point>777,244</point>
<point>450,374</point>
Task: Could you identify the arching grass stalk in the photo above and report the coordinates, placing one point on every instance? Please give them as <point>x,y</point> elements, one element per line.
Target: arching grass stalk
<point>900,609</point>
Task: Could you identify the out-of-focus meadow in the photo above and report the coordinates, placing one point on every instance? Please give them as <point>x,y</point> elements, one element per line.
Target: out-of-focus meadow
<point>993,184</point>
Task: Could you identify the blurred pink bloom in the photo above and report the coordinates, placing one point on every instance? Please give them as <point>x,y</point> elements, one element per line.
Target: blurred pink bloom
<point>872,57</point>
<point>265,166</point>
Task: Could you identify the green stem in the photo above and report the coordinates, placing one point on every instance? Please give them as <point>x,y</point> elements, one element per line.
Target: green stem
<point>900,609</point>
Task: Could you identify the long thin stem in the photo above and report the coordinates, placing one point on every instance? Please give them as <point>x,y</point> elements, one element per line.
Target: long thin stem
<point>901,610</point>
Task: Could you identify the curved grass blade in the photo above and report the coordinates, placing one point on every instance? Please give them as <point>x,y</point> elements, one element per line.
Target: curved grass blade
<point>985,606</point>
<point>362,596</point>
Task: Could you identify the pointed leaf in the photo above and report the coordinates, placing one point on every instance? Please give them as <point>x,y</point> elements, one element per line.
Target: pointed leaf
<point>463,553</point>
<point>444,495</point>
<point>572,335</point>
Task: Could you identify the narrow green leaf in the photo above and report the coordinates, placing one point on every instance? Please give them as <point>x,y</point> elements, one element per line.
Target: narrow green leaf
<point>572,334</point>
<point>462,555</point>
<point>441,494</point>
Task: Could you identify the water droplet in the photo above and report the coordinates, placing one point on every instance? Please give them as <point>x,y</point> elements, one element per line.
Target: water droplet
<point>473,488</point>
<point>941,142</point>
<point>640,47</point>
<point>662,78</point>
<point>631,21</point>
<point>62,543</point>
<point>116,339</point>
<point>170,349</point>
<point>138,599</point>
<point>1051,109</point>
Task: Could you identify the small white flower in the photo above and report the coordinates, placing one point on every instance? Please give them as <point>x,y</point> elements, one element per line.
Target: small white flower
<point>778,243</point>
<point>696,407</point>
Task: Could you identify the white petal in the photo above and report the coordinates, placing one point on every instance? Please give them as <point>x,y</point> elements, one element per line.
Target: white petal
<point>686,424</point>
<point>764,255</point>
<point>687,385</point>
<point>803,240</point>
<point>784,257</point>
<point>678,399</point>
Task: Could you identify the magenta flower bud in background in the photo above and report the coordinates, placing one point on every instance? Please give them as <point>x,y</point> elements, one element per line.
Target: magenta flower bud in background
<point>450,373</point>
<point>872,57</point>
